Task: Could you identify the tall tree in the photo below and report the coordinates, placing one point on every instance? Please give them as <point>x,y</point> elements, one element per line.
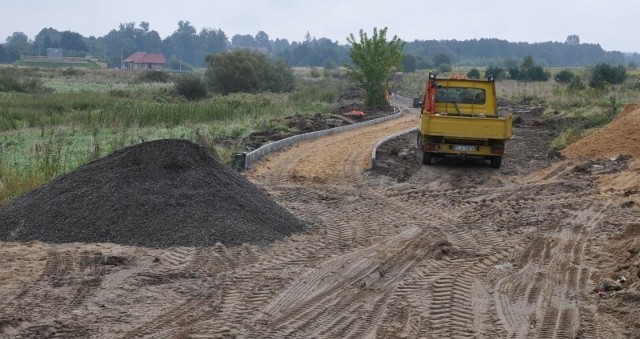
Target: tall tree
<point>243,41</point>
<point>183,44</point>
<point>262,40</point>
<point>145,26</point>
<point>72,41</point>
<point>3,55</point>
<point>16,45</point>
<point>409,63</point>
<point>213,41</point>
<point>374,61</point>
<point>573,40</point>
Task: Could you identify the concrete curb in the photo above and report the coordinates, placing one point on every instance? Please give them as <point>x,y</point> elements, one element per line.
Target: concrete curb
<point>374,152</point>
<point>253,157</point>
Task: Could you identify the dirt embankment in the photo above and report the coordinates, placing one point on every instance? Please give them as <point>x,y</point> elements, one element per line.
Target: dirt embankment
<point>620,137</point>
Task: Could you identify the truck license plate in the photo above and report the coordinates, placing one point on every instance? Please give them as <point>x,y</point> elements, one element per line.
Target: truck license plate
<point>463,148</point>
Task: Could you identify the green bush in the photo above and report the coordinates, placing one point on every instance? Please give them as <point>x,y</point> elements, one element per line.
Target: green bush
<point>248,72</point>
<point>12,83</point>
<point>576,84</point>
<point>514,73</point>
<point>496,71</point>
<point>444,68</point>
<point>72,72</point>
<point>529,71</point>
<point>154,76</point>
<point>191,87</point>
<point>176,64</point>
<point>603,74</point>
<point>473,73</point>
<point>564,77</point>
<point>534,73</point>
<point>314,73</point>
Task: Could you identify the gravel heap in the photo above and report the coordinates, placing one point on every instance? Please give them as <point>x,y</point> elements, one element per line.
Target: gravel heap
<point>155,194</point>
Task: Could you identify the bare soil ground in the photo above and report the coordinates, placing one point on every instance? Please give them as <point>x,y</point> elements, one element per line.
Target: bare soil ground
<point>545,247</point>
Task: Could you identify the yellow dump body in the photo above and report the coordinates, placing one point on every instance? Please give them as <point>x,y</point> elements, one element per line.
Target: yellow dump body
<point>460,117</point>
<point>462,127</point>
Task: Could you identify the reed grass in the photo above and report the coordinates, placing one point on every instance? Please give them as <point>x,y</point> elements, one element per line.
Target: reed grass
<point>90,114</point>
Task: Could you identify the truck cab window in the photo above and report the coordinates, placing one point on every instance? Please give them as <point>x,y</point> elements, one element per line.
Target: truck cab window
<point>474,96</point>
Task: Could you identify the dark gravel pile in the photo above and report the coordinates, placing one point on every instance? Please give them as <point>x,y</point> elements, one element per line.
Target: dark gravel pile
<point>156,194</point>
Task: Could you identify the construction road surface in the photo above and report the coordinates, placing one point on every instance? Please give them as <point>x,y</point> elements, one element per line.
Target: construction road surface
<point>453,250</point>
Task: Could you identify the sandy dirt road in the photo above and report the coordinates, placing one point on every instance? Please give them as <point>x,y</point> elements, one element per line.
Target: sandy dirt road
<point>456,249</point>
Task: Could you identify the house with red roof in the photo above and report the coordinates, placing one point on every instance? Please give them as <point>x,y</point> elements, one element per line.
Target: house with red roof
<point>145,61</point>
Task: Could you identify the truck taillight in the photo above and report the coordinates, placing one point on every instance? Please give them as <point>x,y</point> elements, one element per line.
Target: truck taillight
<point>432,147</point>
<point>497,149</point>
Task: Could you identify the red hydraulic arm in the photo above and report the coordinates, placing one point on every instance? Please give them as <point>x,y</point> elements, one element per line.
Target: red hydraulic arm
<point>430,95</point>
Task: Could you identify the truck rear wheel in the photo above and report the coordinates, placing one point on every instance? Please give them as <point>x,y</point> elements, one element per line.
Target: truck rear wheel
<point>496,162</point>
<point>426,158</point>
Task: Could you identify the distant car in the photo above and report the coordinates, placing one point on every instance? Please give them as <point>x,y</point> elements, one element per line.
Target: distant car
<point>417,103</point>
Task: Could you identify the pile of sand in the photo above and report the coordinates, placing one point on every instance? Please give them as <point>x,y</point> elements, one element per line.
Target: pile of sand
<point>620,137</point>
<point>156,194</point>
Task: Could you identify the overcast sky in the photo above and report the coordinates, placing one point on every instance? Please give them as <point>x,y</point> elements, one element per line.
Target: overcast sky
<point>611,23</point>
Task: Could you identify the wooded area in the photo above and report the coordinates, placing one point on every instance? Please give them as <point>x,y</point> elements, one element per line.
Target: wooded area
<point>187,48</point>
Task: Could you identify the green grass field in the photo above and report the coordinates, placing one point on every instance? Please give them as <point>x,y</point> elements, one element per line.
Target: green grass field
<point>82,115</point>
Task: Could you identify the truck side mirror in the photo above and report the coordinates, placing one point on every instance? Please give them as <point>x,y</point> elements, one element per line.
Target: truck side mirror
<point>417,103</point>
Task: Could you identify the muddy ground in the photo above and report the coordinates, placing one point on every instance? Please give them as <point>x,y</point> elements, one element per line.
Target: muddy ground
<point>350,99</point>
<point>545,247</point>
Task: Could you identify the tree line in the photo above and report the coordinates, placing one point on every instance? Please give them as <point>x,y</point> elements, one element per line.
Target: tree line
<point>188,48</point>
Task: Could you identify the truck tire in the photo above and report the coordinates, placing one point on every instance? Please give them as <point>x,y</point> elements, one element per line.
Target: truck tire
<point>426,158</point>
<point>496,162</point>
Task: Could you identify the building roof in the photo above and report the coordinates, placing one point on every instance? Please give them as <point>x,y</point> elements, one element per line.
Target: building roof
<point>145,58</point>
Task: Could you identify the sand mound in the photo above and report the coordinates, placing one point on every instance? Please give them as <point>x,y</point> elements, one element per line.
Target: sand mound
<point>620,137</point>
<point>156,194</point>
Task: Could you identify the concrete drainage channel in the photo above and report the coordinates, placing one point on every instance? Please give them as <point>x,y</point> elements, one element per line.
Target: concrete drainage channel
<point>245,161</point>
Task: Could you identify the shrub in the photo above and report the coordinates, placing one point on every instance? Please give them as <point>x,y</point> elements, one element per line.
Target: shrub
<point>564,77</point>
<point>191,87</point>
<point>603,74</point>
<point>576,84</point>
<point>314,72</point>
<point>12,83</point>
<point>444,68</point>
<point>71,72</point>
<point>534,73</point>
<point>245,71</point>
<point>496,71</point>
<point>154,76</point>
<point>176,64</point>
<point>473,74</point>
<point>514,73</point>
<point>529,71</point>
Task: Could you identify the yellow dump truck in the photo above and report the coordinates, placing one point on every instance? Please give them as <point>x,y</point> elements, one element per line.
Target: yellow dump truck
<point>460,118</point>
